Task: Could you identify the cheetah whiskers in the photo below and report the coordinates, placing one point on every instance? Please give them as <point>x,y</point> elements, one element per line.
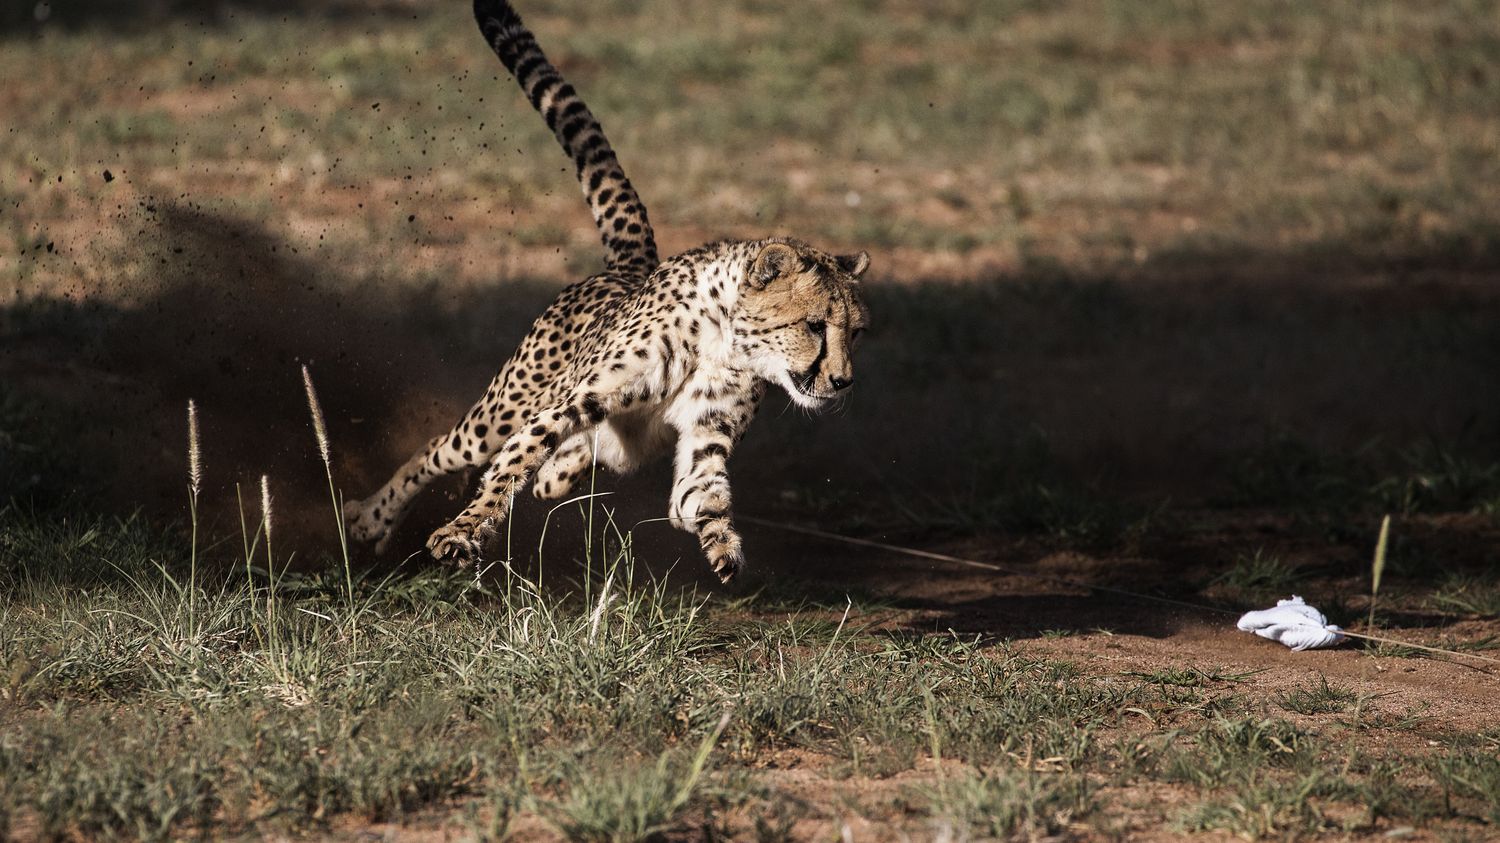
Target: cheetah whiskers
<point>840,404</point>
<point>791,405</point>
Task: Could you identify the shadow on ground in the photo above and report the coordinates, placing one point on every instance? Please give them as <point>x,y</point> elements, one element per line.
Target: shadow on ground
<point>31,18</point>
<point>1147,383</point>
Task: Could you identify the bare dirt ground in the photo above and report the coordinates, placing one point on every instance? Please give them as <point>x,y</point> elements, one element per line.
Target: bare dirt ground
<point>1113,634</point>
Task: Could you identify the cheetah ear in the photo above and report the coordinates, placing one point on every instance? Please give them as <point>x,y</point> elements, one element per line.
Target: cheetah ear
<point>774,261</point>
<point>855,264</point>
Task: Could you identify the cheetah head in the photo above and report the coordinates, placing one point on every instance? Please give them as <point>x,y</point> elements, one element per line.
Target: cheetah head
<point>802,315</point>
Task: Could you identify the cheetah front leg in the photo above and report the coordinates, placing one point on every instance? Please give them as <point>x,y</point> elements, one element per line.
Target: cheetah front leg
<point>700,493</point>
<point>460,540</point>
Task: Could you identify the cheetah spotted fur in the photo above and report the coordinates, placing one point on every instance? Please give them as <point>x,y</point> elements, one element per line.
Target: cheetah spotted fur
<point>625,362</point>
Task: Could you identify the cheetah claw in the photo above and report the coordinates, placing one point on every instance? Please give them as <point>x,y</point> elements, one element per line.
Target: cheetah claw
<point>454,544</point>
<point>726,567</point>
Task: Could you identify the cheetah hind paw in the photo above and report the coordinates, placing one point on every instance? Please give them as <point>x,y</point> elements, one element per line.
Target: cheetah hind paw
<point>361,525</point>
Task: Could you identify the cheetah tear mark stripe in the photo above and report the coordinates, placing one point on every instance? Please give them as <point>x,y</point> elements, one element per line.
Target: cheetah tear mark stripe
<point>628,240</point>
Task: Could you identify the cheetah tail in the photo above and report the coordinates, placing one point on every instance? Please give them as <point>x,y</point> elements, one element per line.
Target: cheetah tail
<point>617,210</point>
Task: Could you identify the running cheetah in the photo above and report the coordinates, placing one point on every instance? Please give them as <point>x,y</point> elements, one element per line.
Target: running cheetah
<point>643,352</point>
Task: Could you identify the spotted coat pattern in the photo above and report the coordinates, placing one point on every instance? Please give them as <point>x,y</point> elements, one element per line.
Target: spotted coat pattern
<point>624,362</point>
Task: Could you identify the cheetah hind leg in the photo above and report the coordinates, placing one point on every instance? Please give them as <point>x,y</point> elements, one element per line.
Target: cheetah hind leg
<point>374,519</point>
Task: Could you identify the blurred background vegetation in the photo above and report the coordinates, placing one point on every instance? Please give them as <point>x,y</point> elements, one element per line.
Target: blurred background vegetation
<point>1157,249</point>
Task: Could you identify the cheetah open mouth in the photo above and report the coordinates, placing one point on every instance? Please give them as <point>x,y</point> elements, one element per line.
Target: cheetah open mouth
<point>800,388</point>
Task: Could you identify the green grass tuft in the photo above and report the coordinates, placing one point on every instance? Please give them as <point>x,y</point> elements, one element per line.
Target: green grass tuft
<point>1320,698</point>
<point>1469,595</point>
<point>1006,804</point>
<point>1258,574</point>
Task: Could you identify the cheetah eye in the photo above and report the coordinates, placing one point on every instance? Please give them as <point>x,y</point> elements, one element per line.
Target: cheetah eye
<point>817,326</point>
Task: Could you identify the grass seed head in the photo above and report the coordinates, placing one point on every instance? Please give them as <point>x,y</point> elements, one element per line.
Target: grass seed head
<point>1377,566</point>
<point>320,429</point>
<point>195,453</point>
<point>265,507</point>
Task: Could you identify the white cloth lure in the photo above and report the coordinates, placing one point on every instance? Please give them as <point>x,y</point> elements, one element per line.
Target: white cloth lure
<point>1293,623</point>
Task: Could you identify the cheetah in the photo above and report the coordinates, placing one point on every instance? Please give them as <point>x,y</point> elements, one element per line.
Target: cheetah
<point>623,363</point>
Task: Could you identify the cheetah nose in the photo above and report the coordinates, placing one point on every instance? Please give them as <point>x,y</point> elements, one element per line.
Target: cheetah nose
<point>841,383</point>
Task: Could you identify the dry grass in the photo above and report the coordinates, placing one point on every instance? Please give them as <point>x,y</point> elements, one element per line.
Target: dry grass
<point>618,712</point>
<point>1125,252</point>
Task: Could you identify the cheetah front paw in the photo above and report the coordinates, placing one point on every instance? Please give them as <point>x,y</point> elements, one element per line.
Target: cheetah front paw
<point>725,555</point>
<point>456,543</point>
